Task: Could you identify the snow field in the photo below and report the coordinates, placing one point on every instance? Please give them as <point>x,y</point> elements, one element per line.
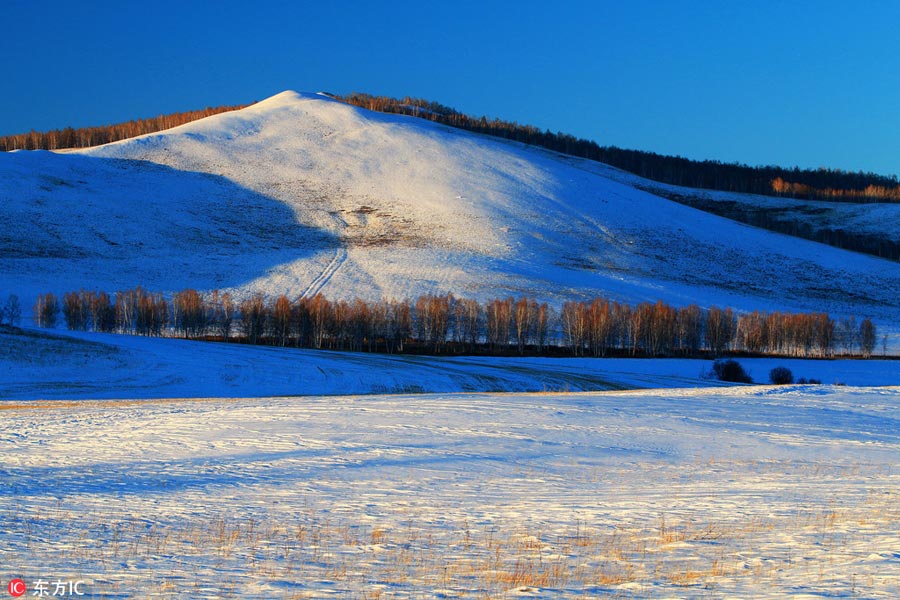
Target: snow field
<point>42,365</point>
<point>741,492</point>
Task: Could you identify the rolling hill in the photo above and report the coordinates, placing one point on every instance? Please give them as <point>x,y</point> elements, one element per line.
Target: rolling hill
<point>301,194</point>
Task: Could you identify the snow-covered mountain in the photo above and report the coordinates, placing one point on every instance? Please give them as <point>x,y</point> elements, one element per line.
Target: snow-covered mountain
<point>301,194</point>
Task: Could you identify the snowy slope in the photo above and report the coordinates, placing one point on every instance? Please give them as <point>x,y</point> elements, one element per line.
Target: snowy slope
<point>301,194</point>
<point>880,220</point>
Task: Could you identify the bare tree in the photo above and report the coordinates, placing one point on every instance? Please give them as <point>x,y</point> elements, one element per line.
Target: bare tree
<point>282,319</point>
<point>868,337</point>
<point>399,323</point>
<point>599,326</point>
<point>542,325</point>
<point>320,319</point>
<point>76,310</point>
<point>253,317</point>
<point>690,329</point>
<point>524,317</point>
<point>498,322</point>
<point>189,312</point>
<point>469,320</point>
<point>847,334</point>
<point>11,314</point>
<point>45,310</point>
<point>719,328</point>
<point>103,313</point>
<point>220,310</point>
<point>432,316</point>
<point>574,323</point>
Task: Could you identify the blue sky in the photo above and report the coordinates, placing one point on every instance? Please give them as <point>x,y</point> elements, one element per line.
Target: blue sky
<point>808,83</point>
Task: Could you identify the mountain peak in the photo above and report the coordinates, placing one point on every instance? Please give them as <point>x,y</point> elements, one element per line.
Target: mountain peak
<point>288,97</point>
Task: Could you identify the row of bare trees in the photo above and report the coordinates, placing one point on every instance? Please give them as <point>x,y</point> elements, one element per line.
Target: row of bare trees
<point>870,193</point>
<point>796,223</point>
<point>602,326</point>
<point>135,311</point>
<point>85,137</point>
<point>438,323</point>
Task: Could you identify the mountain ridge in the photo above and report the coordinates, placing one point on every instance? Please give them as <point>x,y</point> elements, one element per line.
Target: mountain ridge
<point>821,183</point>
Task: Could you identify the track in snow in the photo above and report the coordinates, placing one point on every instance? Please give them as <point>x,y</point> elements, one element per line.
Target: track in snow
<point>322,279</point>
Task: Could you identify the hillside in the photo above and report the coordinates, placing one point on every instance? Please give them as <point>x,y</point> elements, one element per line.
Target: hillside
<point>872,228</point>
<point>301,194</point>
<point>822,183</point>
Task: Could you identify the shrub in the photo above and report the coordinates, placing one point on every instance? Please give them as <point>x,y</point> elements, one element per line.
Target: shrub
<point>781,376</point>
<point>731,370</point>
<point>11,314</point>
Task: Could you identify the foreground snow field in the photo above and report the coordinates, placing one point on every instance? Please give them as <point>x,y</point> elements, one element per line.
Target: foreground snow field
<point>739,492</point>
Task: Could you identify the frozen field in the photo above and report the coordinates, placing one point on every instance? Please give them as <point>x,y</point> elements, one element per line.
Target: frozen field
<point>739,492</point>
<point>60,365</point>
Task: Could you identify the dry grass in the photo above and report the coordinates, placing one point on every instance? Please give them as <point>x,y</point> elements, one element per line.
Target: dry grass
<point>381,561</point>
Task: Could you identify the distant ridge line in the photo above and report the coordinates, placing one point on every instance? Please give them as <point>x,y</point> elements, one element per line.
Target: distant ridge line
<point>87,137</point>
<point>812,184</point>
<point>820,184</point>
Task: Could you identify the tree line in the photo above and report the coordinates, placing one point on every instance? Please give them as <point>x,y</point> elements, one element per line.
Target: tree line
<point>444,323</point>
<point>85,137</point>
<point>794,224</point>
<point>872,192</point>
<point>828,184</point>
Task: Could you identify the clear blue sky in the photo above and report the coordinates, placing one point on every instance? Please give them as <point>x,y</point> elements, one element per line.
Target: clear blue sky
<point>808,83</point>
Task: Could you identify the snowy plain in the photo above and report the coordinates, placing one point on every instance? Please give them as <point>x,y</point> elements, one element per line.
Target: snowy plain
<point>717,493</point>
<point>37,365</point>
<point>690,491</point>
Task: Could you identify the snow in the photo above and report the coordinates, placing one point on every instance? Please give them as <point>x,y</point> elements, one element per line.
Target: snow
<point>301,194</point>
<point>37,365</point>
<point>739,492</point>
<point>163,468</point>
<point>880,219</point>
